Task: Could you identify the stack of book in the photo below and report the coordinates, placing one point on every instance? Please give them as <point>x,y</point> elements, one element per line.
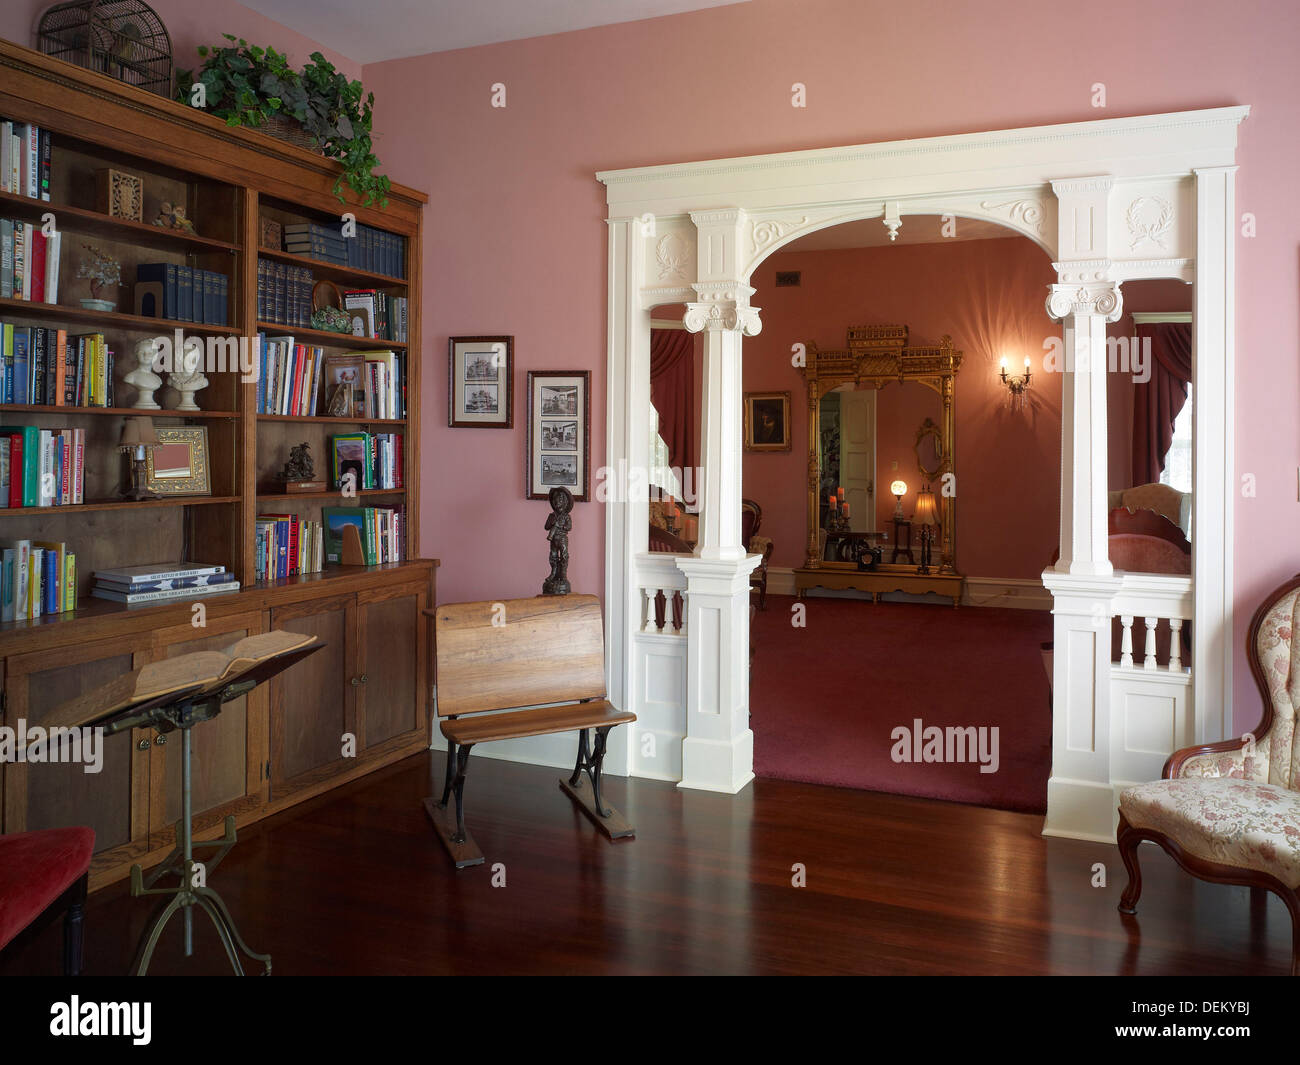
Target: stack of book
<point>288,545</point>
<point>284,294</point>
<point>375,458</point>
<point>162,582</point>
<point>369,249</point>
<point>24,159</point>
<point>380,529</point>
<point>29,262</point>
<point>46,367</point>
<point>290,376</point>
<point>41,467</point>
<point>387,313</point>
<point>188,293</point>
<point>36,577</point>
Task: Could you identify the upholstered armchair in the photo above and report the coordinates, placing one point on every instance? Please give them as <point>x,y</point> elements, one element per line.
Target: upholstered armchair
<point>751,520</point>
<point>1230,812</point>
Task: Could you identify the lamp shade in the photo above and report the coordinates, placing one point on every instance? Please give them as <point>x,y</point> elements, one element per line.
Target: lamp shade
<point>898,488</point>
<point>137,432</point>
<point>927,513</point>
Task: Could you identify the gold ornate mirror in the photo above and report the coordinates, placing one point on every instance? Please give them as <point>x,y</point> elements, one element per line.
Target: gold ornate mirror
<point>878,358</point>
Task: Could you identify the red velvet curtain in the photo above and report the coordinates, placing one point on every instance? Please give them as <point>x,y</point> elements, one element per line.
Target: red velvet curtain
<point>672,391</point>
<point>1157,402</point>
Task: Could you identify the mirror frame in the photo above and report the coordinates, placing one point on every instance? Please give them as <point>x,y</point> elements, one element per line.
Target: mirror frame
<point>876,356</point>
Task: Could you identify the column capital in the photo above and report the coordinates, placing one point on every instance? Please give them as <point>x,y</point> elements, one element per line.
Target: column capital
<point>1084,288</point>
<point>723,305</point>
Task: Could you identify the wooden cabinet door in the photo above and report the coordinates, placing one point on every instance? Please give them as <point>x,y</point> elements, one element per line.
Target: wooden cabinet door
<point>313,704</point>
<point>393,665</point>
<point>113,801</point>
<point>227,754</point>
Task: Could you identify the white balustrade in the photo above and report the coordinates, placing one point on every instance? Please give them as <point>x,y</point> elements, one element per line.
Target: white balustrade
<point>662,589</point>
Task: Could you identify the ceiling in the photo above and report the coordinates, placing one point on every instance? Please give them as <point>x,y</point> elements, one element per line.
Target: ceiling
<point>916,229</point>
<point>392,29</point>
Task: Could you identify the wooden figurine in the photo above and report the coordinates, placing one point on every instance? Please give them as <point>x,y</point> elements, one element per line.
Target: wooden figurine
<point>300,471</point>
<point>173,217</point>
<point>558,526</point>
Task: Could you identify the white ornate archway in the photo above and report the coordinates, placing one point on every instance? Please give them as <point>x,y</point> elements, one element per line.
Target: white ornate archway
<point>1110,201</point>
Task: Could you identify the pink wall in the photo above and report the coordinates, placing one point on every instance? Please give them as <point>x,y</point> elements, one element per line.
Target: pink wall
<point>987,295</point>
<point>190,24</point>
<point>515,240</point>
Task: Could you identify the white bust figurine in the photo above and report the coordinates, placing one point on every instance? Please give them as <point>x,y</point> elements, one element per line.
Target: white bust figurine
<point>188,377</point>
<point>146,382</point>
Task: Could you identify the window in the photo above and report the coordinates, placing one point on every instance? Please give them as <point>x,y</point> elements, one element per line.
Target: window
<point>1178,460</point>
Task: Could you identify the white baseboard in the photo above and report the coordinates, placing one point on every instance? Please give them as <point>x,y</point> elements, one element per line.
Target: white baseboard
<point>1021,594</point>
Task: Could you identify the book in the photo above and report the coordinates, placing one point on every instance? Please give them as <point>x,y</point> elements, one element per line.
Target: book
<point>136,598</point>
<point>160,571</point>
<point>7,584</point>
<point>200,672</point>
<point>22,551</point>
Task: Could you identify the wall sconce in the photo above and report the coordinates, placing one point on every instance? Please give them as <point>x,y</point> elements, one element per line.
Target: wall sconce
<point>1016,385</point>
<point>898,489</point>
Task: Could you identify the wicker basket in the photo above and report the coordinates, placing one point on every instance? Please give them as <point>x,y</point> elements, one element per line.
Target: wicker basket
<point>289,130</point>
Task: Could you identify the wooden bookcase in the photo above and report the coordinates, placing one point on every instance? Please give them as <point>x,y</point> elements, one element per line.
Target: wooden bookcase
<point>285,741</point>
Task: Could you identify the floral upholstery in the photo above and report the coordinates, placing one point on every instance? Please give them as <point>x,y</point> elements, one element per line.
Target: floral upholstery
<point>1242,823</point>
<point>1241,807</point>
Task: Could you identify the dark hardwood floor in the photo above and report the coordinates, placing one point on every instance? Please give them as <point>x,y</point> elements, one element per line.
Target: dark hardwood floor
<point>357,882</point>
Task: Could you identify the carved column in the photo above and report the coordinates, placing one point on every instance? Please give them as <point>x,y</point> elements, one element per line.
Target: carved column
<point>718,752</point>
<point>1080,796</point>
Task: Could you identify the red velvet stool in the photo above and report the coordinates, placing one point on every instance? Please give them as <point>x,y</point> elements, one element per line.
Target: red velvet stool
<point>44,872</point>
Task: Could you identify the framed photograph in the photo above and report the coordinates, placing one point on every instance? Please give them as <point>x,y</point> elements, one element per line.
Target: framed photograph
<point>767,421</point>
<point>345,384</point>
<point>359,321</point>
<point>558,448</point>
<point>480,382</point>
<point>178,466</point>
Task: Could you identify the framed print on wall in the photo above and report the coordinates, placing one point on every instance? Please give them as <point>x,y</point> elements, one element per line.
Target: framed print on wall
<point>480,382</point>
<point>558,448</point>
<point>767,421</point>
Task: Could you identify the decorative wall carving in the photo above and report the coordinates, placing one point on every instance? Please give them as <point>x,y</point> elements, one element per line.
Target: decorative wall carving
<point>1149,218</point>
<point>673,253</point>
<point>765,232</point>
<point>1026,212</point>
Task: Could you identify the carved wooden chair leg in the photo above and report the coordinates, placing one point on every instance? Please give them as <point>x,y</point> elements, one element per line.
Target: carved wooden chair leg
<point>1129,839</point>
<point>72,926</point>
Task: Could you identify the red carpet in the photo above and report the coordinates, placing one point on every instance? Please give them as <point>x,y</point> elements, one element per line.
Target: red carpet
<point>825,699</point>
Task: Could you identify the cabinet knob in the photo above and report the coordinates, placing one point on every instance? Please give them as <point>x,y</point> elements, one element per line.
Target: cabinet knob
<point>143,745</point>
<point>356,681</point>
<point>364,678</point>
<point>160,740</point>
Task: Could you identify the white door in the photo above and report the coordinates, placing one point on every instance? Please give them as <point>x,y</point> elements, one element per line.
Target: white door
<point>858,456</point>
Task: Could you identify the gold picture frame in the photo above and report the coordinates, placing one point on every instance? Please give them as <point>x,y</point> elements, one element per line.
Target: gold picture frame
<point>767,421</point>
<point>178,465</point>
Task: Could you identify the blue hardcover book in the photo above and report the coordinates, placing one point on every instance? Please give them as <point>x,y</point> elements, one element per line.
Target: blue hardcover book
<point>7,585</point>
<point>223,300</point>
<point>185,293</point>
<point>50,582</point>
<point>22,364</point>
<point>165,275</point>
<point>260,361</point>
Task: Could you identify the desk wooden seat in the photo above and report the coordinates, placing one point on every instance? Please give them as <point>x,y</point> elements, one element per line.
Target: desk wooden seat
<point>496,662</point>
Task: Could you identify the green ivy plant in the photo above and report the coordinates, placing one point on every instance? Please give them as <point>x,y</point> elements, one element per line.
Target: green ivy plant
<point>245,85</point>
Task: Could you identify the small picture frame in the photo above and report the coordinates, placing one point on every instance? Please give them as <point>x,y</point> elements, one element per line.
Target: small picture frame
<point>270,234</point>
<point>359,321</point>
<point>558,445</point>
<point>767,421</point>
<point>178,465</point>
<point>480,382</point>
<point>347,369</point>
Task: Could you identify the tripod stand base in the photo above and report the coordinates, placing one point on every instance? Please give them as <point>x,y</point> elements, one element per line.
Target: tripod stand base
<point>210,903</point>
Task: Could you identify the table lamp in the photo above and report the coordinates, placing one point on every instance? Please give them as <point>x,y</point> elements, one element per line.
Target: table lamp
<point>137,438</point>
<point>927,516</point>
<point>898,489</point>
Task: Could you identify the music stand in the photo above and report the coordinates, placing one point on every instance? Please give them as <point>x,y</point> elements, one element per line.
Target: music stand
<point>183,709</point>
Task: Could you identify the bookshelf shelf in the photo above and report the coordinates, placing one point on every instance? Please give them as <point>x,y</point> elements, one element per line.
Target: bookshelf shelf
<point>109,319</point>
<point>95,223</point>
<point>267,497</point>
<point>119,412</point>
<point>325,419</point>
<point>120,504</point>
<point>333,271</point>
<point>334,340</point>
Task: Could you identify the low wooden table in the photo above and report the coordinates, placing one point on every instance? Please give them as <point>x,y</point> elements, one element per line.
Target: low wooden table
<point>886,578</point>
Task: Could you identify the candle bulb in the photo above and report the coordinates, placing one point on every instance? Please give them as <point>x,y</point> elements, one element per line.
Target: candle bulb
<point>844,507</point>
<point>840,492</point>
<point>831,500</point>
<point>1026,362</point>
<point>1004,363</point>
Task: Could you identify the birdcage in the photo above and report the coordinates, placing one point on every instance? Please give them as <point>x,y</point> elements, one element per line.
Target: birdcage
<point>124,39</point>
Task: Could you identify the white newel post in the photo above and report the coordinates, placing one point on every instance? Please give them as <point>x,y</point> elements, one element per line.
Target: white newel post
<point>718,752</point>
<point>1080,802</point>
